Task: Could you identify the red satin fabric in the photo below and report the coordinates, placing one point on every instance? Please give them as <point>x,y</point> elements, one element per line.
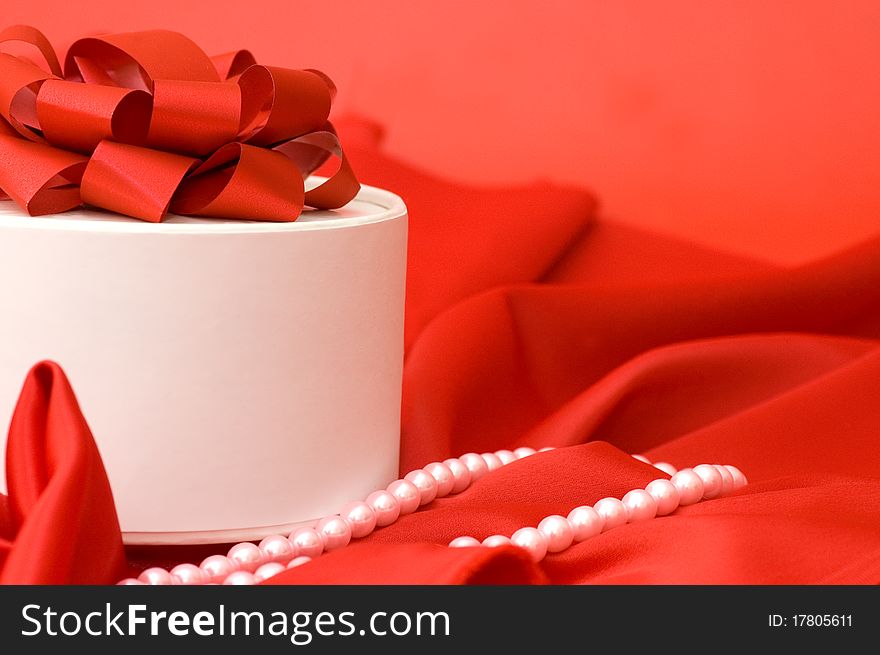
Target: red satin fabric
<point>532,322</point>
<point>58,524</point>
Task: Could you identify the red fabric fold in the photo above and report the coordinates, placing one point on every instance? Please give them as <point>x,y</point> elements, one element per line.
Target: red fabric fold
<point>60,524</point>
<point>418,564</point>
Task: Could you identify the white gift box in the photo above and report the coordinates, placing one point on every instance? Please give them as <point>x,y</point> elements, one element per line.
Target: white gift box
<point>240,378</point>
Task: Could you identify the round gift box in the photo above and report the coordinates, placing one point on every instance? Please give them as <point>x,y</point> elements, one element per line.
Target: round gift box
<point>240,378</point>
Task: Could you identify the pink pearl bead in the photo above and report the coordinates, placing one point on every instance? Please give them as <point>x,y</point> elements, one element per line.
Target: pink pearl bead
<point>475,464</point>
<point>335,532</point>
<point>665,495</point>
<point>689,485</point>
<point>533,541</point>
<point>506,456</point>
<point>240,578</point>
<point>248,556</point>
<point>306,542</point>
<point>129,582</point>
<point>666,467</point>
<point>460,473</point>
<point>385,506</point>
<point>188,574</point>
<point>360,517</point>
<point>557,531</point>
<point>739,479</point>
<point>585,523</point>
<point>640,506</point>
<point>443,476</point>
<point>277,549</point>
<point>463,542</point>
<point>612,512</point>
<point>496,540</point>
<point>642,458</point>
<point>156,576</point>
<point>493,462</point>
<point>298,561</point>
<point>726,479</point>
<point>523,452</point>
<point>425,483</point>
<point>407,494</point>
<point>217,567</point>
<point>712,481</point>
<point>268,570</point>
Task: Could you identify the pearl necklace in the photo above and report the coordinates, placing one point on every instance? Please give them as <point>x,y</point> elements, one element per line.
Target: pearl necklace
<point>247,563</point>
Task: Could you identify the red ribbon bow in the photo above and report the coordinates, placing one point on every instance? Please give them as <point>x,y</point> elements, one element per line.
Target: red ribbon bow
<point>145,123</point>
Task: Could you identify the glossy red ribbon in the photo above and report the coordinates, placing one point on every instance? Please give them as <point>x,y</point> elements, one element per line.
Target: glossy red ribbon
<point>145,123</point>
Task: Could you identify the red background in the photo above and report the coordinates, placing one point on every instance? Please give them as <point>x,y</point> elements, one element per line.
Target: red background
<point>747,125</point>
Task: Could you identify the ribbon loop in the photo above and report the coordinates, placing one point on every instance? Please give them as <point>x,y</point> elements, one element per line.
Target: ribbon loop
<point>244,181</point>
<point>194,117</point>
<point>158,54</point>
<point>232,64</point>
<point>31,36</point>
<point>300,104</point>
<point>40,178</point>
<point>133,181</point>
<point>79,116</point>
<point>309,152</point>
<point>21,80</point>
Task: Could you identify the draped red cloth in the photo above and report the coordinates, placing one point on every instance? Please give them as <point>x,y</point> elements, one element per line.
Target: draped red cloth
<point>531,321</point>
